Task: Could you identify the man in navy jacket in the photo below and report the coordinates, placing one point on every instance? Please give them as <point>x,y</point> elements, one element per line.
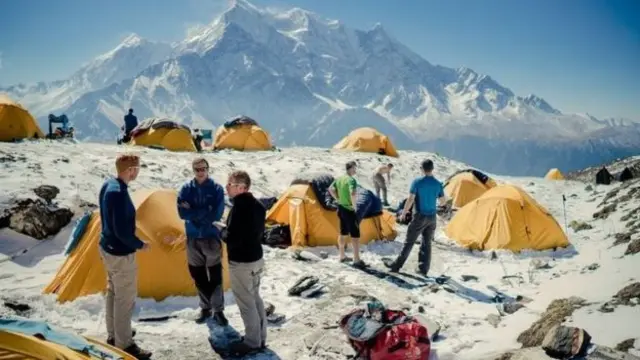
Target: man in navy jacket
<point>200,204</point>
<point>118,245</point>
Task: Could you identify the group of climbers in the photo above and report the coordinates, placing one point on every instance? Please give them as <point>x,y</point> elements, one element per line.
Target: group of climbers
<point>200,204</point>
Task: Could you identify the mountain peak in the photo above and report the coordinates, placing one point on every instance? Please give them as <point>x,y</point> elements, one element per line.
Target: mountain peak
<point>132,39</point>
<point>540,103</point>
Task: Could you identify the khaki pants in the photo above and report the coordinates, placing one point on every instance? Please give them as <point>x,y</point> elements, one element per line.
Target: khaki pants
<point>245,285</point>
<point>122,290</point>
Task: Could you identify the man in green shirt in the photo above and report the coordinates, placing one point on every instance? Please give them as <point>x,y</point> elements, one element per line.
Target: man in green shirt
<point>343,189</point>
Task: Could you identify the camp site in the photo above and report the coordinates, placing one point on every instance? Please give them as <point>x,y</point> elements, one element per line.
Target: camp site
<point>319,180</point>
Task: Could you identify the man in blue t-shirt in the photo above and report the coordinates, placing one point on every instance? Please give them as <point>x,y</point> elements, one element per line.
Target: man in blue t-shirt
<point>425,192</point>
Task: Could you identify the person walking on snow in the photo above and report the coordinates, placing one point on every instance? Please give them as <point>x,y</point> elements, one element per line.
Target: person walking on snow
<point>343,189</point>
<point>118,245</point>
<point>425,191</point>
<point>243,236</point>
<point>379,182</point>
<point>200,204</point>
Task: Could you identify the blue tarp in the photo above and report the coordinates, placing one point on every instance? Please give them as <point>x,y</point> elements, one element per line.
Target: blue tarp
<point>367,203</point>
<point>76,234</point>
<point>61,337</point>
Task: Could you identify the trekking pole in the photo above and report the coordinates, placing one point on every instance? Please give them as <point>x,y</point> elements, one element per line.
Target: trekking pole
<point>564,209</point>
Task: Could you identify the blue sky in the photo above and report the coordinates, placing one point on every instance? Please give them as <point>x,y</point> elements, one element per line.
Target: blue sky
<point>580,55</point>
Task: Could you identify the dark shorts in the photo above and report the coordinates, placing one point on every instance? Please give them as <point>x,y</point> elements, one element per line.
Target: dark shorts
<point>348,222</point>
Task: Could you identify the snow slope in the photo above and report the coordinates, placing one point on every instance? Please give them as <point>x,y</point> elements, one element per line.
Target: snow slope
<point>302,75</point>
<point>79,169</point>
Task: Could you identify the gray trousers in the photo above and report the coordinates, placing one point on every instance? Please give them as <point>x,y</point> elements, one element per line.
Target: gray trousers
<point>122,290</point>
<point>379,183</point>
<point>205,266</point>
<point>245,285</point>
<point>420,225</point>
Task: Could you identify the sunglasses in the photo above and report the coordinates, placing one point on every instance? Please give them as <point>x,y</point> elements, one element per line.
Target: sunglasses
<point>200,169</point>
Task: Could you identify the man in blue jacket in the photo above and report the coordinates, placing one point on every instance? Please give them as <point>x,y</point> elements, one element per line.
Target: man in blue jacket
<point>118,245</point>
<point>200,204</point>
<point>426,192</point>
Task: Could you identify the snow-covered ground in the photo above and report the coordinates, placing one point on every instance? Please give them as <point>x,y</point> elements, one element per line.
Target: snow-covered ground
<point>79,170</point>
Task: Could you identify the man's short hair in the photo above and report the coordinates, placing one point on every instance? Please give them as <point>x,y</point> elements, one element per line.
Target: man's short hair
<point>427,165</point>
<point>350,165</point>
<point>242,177</point>
<point>199,160</point>
<point>126,161</point>
<point>130,110</point>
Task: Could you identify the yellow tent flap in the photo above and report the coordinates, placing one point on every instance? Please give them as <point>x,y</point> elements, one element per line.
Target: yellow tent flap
<point>465,187</point>
<point>367,140</point>
<point>506,217</point>
<point>171,136</point>
<point>554,174</point>
<point>16,123</point>
<point>313,225</point>
<point>16,346</point>
<point>162,270</point>
<point>244,137</point>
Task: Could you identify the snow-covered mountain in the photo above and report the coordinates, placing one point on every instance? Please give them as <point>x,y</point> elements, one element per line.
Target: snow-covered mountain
<point>309,80</point>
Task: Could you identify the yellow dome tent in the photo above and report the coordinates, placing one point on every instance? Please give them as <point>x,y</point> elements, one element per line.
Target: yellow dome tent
<point>465,187</point>
<point>17,346</point>
<point>367,140</point>
<point>16,122</point>
<point>163,133</point>
<point>506,217</point>
<point>162,270</point>
<point>243,134</point>
<point>313,225</point>
<point>554,174</point>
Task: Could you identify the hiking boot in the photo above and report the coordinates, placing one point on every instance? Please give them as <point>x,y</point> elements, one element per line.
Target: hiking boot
<point>220,319</point>
<point>390,265</point>
<point>345,259</point>
<point>204,315</point>
<point>112,341</point>
<point>359,264</point>
<point>240,349</point>
<point>137,352</point>
<point>385,203</point>
<point>420,272</point>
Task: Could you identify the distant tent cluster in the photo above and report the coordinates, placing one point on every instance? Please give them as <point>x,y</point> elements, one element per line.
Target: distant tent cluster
<point>604,177</point>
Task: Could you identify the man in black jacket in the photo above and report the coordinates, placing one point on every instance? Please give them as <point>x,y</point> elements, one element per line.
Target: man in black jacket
<point>243,236</point>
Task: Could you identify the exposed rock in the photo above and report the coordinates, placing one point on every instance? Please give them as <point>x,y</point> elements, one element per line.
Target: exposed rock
<point>588,188</point>
<point>36,218</point>
<point>631,214</point>
<point>628,293</point>
<point>605,212</point>
<point>509,308</point>
<point>555,314</point>
<point>47,192</point>
<point>622,238</point>
<point>563,342</point>
<point>626,345</point>
<point>599,353</point>
<point>590,267</point>
<point>607,307</point>
<point>579,225</point>
<point>633,248</point>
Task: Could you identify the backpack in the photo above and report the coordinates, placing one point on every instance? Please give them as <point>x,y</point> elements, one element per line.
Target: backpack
<point>278,235</point>
<point>396,337</point>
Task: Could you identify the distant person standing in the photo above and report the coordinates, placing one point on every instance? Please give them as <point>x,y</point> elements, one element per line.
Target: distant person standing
<point>200,204</point>
<point>130,122</point>
<point>243,236</point>
<point>118,245</point>
<point>379,182</point>
<point>343,189</point>
<point>425,191</point>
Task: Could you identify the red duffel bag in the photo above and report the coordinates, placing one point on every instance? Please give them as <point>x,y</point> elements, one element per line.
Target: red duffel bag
<point>396,337</point>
